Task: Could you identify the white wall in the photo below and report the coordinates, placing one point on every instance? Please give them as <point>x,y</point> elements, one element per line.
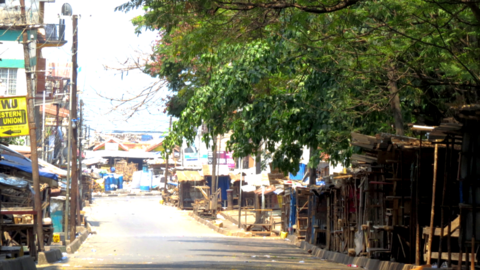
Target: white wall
<point>11,50</point>
<point>21,82</point>
<point>14,50</point>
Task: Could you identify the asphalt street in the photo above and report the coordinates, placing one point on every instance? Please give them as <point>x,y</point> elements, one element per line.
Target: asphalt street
<point>139,233</point>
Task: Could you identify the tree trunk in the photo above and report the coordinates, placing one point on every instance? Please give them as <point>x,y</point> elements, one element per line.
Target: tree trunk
<point>395,102</point>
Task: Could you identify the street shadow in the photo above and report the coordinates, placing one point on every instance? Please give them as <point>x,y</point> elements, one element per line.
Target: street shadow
<point>279,252</point>
<point>237,242</point>
<point>190,265</point>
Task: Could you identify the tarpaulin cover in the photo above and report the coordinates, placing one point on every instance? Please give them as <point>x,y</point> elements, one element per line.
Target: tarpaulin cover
<point>7,181</point>
<point>293,209</point>
<point>248,188</point>
<point>300,173</point>
<point>223,183</point>
<point>13,159</point>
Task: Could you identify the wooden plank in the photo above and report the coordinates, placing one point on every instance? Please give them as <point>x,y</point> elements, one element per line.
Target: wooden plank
<point>455,256</point>
<point>18,212</point>
<point>364,158</point>
<point>455,233</point>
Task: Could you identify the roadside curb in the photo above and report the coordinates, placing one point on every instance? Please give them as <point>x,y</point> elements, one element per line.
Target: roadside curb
<point>21,263</point>
<point>50,256</point>
<point>361,262</point>
<point>77,243</point>
<point>124,194</point>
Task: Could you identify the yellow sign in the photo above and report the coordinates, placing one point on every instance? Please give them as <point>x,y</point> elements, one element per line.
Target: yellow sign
<point>13,117</point>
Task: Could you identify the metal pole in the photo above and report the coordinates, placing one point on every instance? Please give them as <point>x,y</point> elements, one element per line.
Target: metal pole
<point>80,149</point>
<point>69,157</point>
<point>73,115</point>
<point>32,131</point>
<point>240,194</point>
<point>218,163</point>
<point>166,161</point>
<point>214,165</point>
<point>43,128</point>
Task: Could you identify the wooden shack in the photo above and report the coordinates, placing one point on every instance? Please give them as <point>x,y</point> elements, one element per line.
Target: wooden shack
<point>187,193</point>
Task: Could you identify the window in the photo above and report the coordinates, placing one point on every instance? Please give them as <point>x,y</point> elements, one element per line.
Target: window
<point>8,83</point>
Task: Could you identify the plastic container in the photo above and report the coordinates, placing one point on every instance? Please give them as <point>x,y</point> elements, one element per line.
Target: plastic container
<point>107,183</point>
<point>146,181</point>
<point>283,235</point>
<point>136,179</point>
<point>57,221</point>
<point>120,181</point>
<point>113,182</point>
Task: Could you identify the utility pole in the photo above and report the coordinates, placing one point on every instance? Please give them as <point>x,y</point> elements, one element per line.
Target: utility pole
<point>166,161</point>
<point>80,149</point>
<point>73,117</point>
<point>240,195</point>
<point>43,128</point>
<point>214,166</point>
<point>32,130</point>
<point>69,171</point>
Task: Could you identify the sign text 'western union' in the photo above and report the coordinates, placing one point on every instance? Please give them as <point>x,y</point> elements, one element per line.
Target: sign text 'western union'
<point>13,117</point>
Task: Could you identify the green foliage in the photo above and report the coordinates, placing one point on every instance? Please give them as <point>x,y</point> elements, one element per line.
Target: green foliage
<point>310,73</point>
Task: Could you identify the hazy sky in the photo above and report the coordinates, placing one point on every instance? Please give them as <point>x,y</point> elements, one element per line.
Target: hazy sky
<point>106,37</point>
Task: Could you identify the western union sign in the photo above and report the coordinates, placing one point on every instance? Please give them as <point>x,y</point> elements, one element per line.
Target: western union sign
<point>13,117</point>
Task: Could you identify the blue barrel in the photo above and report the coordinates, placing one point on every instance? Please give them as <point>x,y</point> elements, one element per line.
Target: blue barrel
<point>113,181</point>
<point>120,182</point>
<point>107,183</point>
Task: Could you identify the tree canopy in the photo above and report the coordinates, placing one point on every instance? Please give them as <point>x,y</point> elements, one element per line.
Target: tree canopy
<point>295,73</point>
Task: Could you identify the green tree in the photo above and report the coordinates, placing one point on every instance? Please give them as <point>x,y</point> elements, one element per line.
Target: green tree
<point>310,72</point>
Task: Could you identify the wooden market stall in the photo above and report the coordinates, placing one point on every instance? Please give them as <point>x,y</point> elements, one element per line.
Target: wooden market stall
<point>187,193</point>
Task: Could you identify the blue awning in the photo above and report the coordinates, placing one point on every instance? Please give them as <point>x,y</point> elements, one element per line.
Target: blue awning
<point>16,160</point>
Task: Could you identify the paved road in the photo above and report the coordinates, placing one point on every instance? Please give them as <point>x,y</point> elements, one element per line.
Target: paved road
<point>139,233</point>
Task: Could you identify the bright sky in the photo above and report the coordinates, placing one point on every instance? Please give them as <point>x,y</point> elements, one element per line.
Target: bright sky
<point>106,37</point>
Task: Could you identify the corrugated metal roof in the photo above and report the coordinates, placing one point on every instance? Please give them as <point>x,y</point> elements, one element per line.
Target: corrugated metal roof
<point>124,154</point>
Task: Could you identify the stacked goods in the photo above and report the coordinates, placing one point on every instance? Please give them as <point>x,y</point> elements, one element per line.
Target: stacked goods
<point>126,169</point>
<point>129,170</point>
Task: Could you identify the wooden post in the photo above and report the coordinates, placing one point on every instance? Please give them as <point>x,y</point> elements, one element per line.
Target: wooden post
<point>32,130</point>
<point>449,226</point>
<point>329,221</point>
<point>73,117</point>
<point>444,191</point>
<point>432,214</point>
<point>417,201</point>
<point>229,199</point>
